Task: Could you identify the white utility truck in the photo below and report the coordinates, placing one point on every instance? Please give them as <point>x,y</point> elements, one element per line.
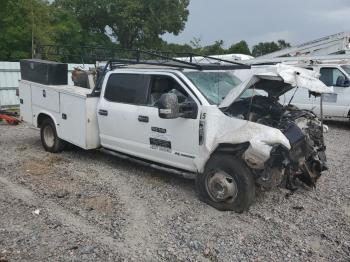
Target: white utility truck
<point>336,105</point>
<point>185,118</point>
<point>329,56</point>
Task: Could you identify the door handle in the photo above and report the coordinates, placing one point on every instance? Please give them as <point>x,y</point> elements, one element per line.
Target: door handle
<point>103,112</point>
<point>144,119</point>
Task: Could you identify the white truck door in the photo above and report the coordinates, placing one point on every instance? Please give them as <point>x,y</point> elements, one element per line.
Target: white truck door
<point>336,104</point>
<point>129,122</point>
<point>118,113</point>
<point>25,99</point>
<point>171,141</point>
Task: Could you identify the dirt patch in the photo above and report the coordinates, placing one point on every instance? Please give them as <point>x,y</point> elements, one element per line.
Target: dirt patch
<point>36,168</point>
<point>39,167</point>
<point>101,203</point>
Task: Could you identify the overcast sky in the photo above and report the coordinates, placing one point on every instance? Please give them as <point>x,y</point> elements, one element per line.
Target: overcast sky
<point>295,21</point>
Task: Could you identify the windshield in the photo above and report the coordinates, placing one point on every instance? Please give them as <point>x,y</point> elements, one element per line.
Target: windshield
<point>346,68</point>
<point>214,85</point>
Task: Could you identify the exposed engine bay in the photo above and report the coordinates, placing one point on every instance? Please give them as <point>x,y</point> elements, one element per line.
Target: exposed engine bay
<point>305,160</point>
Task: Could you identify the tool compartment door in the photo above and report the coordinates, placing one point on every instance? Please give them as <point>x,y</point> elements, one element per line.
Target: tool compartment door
<point>25,99</point>
<point>45,97</point>
<point>72,127</point>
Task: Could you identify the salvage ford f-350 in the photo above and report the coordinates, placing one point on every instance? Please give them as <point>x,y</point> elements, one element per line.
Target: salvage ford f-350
<point>232,135</point>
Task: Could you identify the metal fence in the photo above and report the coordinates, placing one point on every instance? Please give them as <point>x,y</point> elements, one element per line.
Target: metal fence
<point>9,76</point>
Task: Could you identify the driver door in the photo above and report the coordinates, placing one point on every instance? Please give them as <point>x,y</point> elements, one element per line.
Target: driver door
<point>172,142</point>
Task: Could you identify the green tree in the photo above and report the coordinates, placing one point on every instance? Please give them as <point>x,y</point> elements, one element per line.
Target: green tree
<point>22,19</point>
<point>15,32</point>
<point>133,23</point>
<point>214,49</point>
<point>282,44</point>
<point>239,48</point>
<point>196,43</point>
<point>264,48</point>
<point>176,48</point>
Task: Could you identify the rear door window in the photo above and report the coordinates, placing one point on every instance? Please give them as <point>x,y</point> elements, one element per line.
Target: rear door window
<point>127,88</point>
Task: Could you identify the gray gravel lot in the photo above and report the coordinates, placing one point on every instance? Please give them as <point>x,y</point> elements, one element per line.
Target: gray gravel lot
<point>89,206</point>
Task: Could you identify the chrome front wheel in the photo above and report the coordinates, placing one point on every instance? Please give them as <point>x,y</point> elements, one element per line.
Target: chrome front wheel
<point>221,187</point>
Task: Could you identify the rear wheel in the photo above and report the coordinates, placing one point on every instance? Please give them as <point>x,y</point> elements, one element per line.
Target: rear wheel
<point>226,184</point>
<point>49,139</point>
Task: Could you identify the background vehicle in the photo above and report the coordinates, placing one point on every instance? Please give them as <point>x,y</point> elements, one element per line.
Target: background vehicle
<point>335,105</point>
<point>187,118</point>
<point>328,56</point>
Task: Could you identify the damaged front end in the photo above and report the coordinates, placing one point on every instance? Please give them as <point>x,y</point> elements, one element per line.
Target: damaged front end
<point>308,151</point>
<point>306,159</point>
<point>275,164</point>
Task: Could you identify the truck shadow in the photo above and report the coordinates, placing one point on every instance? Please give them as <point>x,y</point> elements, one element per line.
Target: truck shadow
<point>132,168</point>
<point>150,175</point>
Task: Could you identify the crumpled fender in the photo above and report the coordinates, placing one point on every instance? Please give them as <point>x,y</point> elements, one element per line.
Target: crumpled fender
<point>222,129</point>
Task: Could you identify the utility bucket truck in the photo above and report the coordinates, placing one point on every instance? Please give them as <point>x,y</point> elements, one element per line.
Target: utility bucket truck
<point>329,58</point>
<point>184,117</point>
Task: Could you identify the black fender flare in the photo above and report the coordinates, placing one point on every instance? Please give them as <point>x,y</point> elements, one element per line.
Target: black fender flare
<point>42,117</point>
<point>231,148</point>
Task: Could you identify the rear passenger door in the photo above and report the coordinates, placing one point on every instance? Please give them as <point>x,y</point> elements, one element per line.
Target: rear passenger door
<point>119,112</point>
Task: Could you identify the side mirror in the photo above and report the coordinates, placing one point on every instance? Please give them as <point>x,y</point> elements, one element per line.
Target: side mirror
<point>168,106</point>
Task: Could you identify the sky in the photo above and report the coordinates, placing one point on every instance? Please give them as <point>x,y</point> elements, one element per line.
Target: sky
<point>295,21</point>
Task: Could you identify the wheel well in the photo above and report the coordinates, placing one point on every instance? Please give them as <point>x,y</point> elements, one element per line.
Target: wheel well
<point>41,118</point>
<point>231,148</point>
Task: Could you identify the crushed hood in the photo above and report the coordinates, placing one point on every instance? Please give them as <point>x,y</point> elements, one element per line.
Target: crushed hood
<point>277,80</point>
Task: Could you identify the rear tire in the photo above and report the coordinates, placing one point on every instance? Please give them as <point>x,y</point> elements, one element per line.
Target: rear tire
<point>227,184</point>
<point>49,139</point>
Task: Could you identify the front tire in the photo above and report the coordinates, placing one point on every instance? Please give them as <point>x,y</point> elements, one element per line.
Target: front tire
<point>49,139</point>
<point>226,184</point>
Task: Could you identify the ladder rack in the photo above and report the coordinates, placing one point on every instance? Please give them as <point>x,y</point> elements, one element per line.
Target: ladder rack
<point>329,45</point>
<point>121,57</point>
<point>331,59</point>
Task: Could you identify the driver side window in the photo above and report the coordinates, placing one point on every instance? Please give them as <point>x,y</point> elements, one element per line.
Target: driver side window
<point>164,84</point>
<point>333,77</point>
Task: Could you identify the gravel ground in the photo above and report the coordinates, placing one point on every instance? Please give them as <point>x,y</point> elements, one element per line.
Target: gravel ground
<point>89,206</point>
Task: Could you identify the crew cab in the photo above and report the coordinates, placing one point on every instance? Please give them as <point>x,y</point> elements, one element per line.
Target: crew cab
<point>231,135</point>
